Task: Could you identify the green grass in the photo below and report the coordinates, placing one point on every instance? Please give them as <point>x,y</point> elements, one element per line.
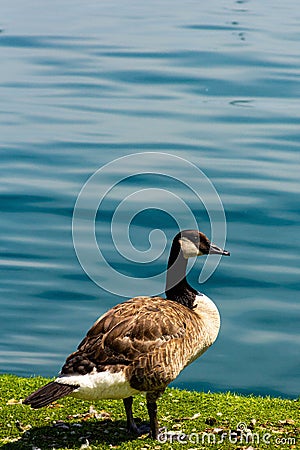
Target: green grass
<point>74,424</point>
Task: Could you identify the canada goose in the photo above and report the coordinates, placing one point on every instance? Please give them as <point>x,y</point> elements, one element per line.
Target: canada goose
<point>141,345</point>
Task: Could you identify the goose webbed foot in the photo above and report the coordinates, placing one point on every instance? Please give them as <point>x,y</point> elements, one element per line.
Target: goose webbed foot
<point>138,430</point>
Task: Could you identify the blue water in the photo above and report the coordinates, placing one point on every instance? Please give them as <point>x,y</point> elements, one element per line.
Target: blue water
<point>216,84</point>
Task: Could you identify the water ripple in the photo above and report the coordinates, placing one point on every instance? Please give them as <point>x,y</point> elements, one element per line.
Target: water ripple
<point>217,85</point>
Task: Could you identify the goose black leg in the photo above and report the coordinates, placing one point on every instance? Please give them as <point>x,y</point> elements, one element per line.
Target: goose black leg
<point>152,411</point>
<point>131,425</point>
<point>161,435</point>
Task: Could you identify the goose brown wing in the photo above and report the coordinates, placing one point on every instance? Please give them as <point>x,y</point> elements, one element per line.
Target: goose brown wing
<point>128,333</point>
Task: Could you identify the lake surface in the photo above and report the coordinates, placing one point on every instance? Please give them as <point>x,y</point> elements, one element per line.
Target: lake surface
<point>82,84</point>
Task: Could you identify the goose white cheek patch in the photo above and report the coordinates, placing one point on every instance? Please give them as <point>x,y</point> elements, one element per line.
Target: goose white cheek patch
<point>189,249</point>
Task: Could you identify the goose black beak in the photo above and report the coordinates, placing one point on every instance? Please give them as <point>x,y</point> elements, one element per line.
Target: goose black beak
<point>215,250</point>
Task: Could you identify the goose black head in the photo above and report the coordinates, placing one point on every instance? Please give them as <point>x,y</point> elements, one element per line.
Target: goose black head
<point>194,243</point>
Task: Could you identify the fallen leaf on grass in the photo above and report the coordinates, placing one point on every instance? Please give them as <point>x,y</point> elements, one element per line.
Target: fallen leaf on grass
<point>245,448</point>
<point>195,416</point>
<point>218,430</point>
<point>252,424</point>
<point>8,440</point>
<point>85,445</point>
<point>13,401</point>
<point>21,427</point>
<point>286,422</point>
<point>92,414</point>
<point>55,405</point>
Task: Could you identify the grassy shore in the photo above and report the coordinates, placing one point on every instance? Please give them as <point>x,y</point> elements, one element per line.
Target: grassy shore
<point>202,421</point>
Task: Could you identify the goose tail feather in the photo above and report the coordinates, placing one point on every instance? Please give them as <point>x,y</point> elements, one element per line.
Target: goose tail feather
<point>48,394</point>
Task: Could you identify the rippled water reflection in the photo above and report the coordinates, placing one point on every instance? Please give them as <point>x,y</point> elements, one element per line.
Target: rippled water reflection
<point>217,84</point>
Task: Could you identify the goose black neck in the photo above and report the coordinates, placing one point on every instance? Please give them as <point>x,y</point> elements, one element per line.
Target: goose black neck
<point>177,287</point>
